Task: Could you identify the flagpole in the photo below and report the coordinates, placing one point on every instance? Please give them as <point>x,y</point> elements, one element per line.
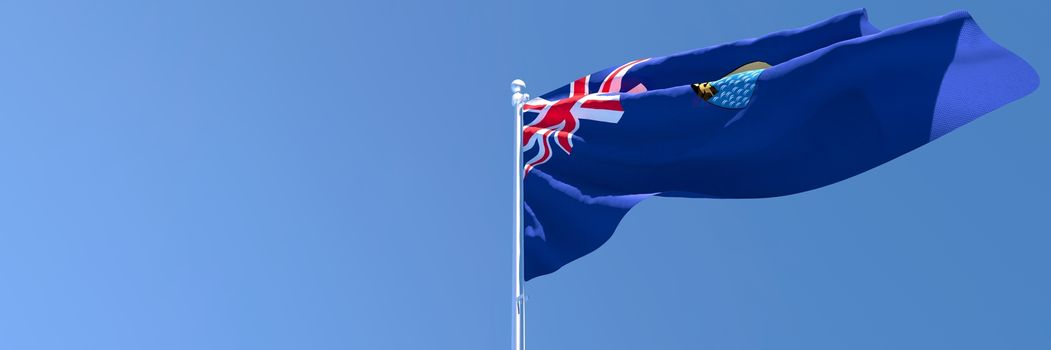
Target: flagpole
<point>518,100</point>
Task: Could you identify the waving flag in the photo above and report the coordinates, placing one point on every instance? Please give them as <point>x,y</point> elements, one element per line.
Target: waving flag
<point>772,116</point>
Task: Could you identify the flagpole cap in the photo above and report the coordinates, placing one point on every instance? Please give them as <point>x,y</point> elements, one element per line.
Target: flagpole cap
<point>519,97</point>
<point>517,85</point>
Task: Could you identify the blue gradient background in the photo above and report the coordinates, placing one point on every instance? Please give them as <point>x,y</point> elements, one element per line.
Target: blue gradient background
<point>337,175</point>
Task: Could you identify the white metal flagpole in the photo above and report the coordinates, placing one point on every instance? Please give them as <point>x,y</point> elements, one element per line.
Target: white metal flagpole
<point>518,100</point>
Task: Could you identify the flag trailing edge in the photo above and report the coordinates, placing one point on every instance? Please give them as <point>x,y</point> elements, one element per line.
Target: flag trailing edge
<point>822,104</point>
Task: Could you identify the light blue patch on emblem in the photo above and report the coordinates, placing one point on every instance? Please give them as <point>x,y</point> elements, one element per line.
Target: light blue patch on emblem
<point>734,91</point>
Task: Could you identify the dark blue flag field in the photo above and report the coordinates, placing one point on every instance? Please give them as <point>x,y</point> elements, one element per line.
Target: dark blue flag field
<point>772,116</point>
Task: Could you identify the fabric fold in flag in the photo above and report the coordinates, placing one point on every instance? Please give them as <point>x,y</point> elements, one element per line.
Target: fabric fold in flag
<point>765,117</point>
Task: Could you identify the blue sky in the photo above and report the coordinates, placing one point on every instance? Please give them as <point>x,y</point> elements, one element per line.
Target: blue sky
<point>337,175</point>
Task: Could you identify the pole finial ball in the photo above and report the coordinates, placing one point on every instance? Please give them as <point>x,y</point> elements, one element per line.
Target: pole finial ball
<point>517,85</point>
